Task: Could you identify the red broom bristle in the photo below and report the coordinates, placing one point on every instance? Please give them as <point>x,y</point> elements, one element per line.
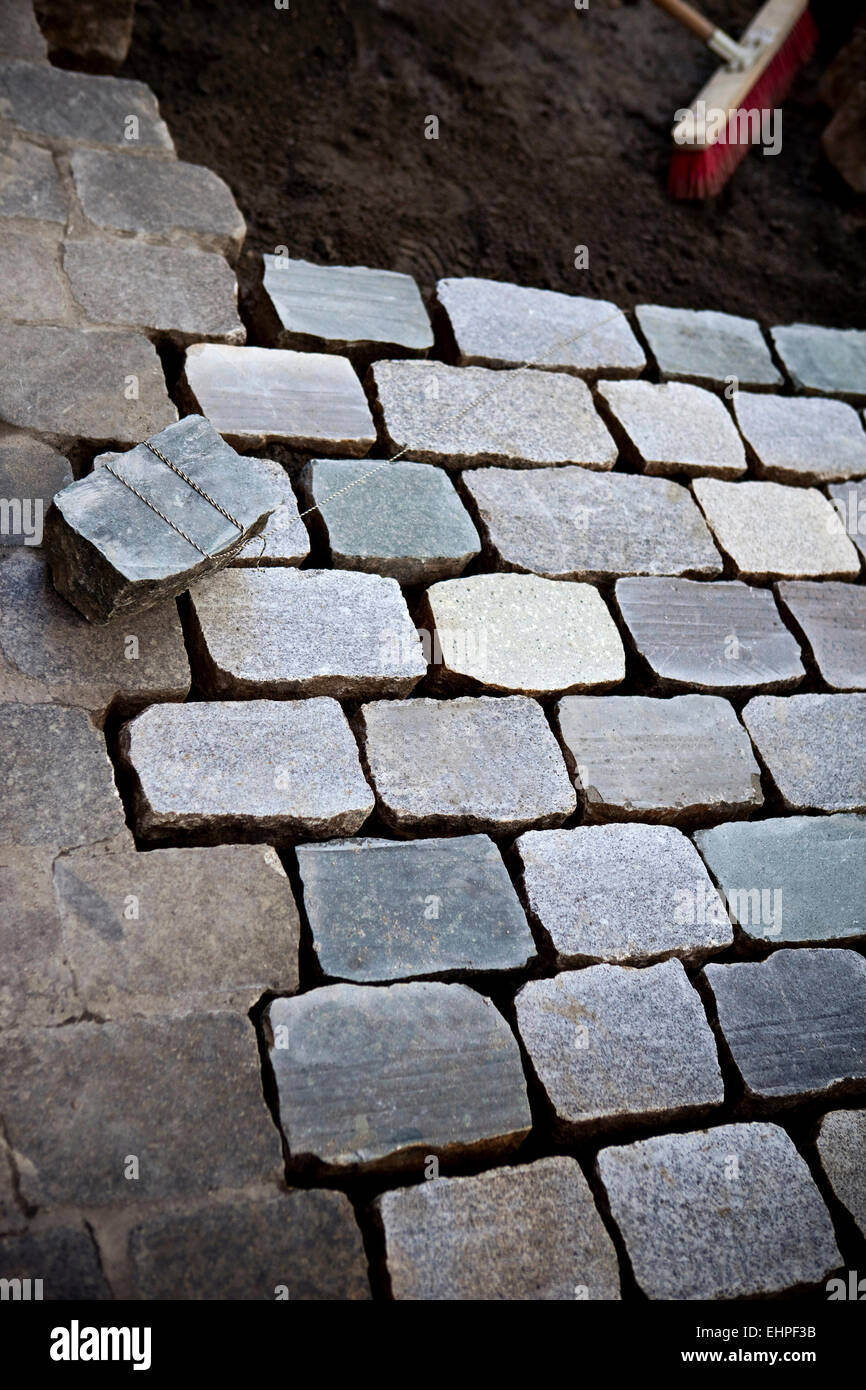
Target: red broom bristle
<point>702,173</point>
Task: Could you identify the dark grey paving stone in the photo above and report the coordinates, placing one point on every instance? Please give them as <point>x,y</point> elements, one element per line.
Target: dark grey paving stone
<point>296,1246</point>
<point>114,554</point>
<point>823,361</point>
<point>31,285</point>
<point>245,769</point>
<point>30,474</point>
<point>814,747</point>
<point>37,986</point>
<point>770,531</point>
<point>64,1258</point>
<point>798,879</point>
<point>707,347</point>
<point>79,108</point>
<point>849,503</point>
<point>464,765</point>
<point>526,1233</point>
<point>386,910</point>
<point>401,519</point>
<point>725,638</point>
<point>638,758</point>
<point>841,1145</point>
<point>730,1212</point>
<point>795,1023</point>
<point>610,1045</point>
<point>832,618</point>
<point>31,185</point>
<point>794,439</point>
<point>181,1093</point>
<point>674,428</point>
<point>382,1077</point>
<point>627,894</point>
<point>570,523</point>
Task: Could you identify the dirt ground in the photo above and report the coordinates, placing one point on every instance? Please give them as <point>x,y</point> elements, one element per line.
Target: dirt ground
<point>553,133</point>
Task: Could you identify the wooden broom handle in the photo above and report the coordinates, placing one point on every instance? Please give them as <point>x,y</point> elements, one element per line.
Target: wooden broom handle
<point>689,16</point>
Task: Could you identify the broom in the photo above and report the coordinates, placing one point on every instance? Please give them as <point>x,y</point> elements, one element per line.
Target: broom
<point>715,133</point>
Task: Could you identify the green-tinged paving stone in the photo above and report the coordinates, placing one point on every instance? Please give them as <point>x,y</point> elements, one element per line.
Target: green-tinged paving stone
<point>823,361</point>
<point>707,347</point>
<point>832,618</point>
<point>814,747</point>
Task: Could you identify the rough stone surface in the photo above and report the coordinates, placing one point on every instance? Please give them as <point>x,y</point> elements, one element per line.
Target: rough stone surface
<point>386,910</point>
<point>466,416</point>
<point>814,747</point>
<point>183,1094</point>
<point>160,290</point>
<point>639,758</point>
<point>58,788</point>
<point>798,439</point>
<point>627,894</point>
<point>50,655</point>
<point>730,1212</point>
<point>849,502</point>
<point>841,1148</point>
<point>610,1044</point>
<point>309,400</point>
<point>288,632</point>
<point>177,929</point>
<point>31,286</point>
<point>707,347</point>
<point>285,539</point>
<point>337,308</point>
<point>792,880</point>
<point>775,532</point>
<point>252,769</point>
<point>502,325</point>
<point>569,523</point>
<point>371,1077</point>
<point>30,474</point>
<point>65,1258</point>
<point>673,428</point>
<point>466,764</point>
<point>112,554</point>
<point>823,361</point>
<point>70,386</point>
<point>20,35</point>
<point>795,1023</point>
<point>832,618</point>
<point>29,183</point>
<point>401,519</point>
<point>250,1248</point>
<point>37,985</point>
<point>726,638</point>
<point>75,106</point>
<point>521,633</point>
<point>525,1233</point>
<point>12,1217</point>
<point>185,204</point>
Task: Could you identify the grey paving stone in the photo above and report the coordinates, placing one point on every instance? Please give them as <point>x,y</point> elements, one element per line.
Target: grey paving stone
<point>177,929</point>
<point>501,325</point>
<point>520,633</point>
<point>707,347</point>
<point>639,758</point>
<point>841,1145</point>
<point>50,655</point>
<point>673,428</point>
<point>726,638</point>
<point>770,531</point>
<point>58,788</point>
<point>466,416</point>
<point>20,35</point>
<point>832,618</point>
<point>287,632</point>
<point>849,502</point>
<point>104,388</point>
<point>610,1044</point>
<point>12,1217</point>
<point>795,1023</point>
<point>304,1243</point>
<point>464,765</point>
<point>64,1258</point>
<point>382,1077</point>
<point>182,1094</point>
<point>161,290</point>
<point>31,286</point>
<point>82,109</point>
<point>813,747</point>
<point>30,474</point>
<point>796,439</point>
<point>337,308</point>
<point>29,182</point>
<point>792,880</point>
<point>112,551</point>
<point>627,894</point>
<point>386,910</point>
<point>525,1233</point>
<point>730,1212</point>
<point>253,396</point>
<point>569,523</point>
<point>251,769</point>
<point>401,519</point>
<point>285,539</point>
<point>37,985</point>
<point>823,361</point>
<point>185,204</point>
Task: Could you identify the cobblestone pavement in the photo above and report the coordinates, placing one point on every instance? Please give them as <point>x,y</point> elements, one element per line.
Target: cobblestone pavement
<point>462,894</point>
